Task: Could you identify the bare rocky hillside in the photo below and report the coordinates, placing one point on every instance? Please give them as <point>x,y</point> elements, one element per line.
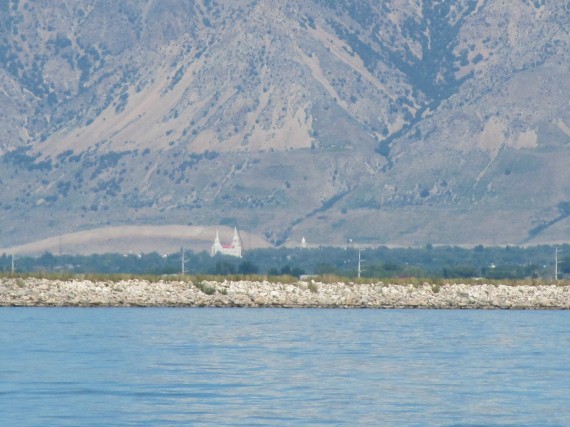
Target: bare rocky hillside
<point>395,122</point>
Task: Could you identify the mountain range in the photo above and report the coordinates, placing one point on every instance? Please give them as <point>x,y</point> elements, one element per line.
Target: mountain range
<point>394,122</point>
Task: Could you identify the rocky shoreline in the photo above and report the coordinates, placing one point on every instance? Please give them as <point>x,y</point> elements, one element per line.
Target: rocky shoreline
<point>32,292</point>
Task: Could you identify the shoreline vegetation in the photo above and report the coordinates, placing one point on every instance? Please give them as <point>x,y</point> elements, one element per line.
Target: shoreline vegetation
<point>97,290</point>
<point>451,263</point>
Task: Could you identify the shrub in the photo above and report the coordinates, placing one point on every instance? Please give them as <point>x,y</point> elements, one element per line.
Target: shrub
<point>206,288</point>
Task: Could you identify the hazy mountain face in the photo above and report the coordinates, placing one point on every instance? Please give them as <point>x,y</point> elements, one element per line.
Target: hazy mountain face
<point>397,121</point>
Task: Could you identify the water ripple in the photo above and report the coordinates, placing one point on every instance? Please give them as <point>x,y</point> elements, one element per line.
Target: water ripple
<point>283,367</point>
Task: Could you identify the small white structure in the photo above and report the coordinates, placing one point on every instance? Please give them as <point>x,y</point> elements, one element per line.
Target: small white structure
<point>303,243</point>
<point>232,250</point>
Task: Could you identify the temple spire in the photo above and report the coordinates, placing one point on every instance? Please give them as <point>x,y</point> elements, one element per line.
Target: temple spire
<point>234,249</point>
<point>236,242</point>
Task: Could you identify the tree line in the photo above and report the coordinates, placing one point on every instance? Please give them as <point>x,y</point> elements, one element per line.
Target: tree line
<point>510,262</point>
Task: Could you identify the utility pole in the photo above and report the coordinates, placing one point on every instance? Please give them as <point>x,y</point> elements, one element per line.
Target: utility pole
<point>359,264</point>
<point>183,261</point>
<point>556,262</point>
<point>13,269</point>
<point>183,270</point>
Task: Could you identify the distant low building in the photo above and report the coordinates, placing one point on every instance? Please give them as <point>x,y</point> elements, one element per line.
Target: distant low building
<point>232,250</point>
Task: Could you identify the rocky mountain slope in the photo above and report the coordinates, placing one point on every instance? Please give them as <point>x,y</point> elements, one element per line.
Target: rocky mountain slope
<point>394,122</point>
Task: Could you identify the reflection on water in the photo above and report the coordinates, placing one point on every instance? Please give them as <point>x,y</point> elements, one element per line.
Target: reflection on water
<point>283,367</point>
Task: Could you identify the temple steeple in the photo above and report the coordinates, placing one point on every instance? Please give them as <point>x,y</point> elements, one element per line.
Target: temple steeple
<point>234,249</point>
<point>236,241</point>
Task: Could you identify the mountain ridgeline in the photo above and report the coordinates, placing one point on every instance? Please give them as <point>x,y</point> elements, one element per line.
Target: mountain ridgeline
<point>401,122</point>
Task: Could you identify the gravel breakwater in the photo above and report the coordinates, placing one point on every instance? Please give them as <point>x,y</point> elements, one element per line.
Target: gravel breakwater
<point>32,292</point>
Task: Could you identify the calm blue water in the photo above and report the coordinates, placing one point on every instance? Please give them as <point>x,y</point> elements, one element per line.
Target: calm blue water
<point>69,367</point>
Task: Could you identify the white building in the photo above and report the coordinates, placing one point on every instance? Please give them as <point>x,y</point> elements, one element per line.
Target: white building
<point>233,250</point>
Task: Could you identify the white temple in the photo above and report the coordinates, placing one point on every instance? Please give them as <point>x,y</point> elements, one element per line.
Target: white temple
<point>233,250</point>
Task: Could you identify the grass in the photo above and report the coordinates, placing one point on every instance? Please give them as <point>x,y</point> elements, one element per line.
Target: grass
<point>93,277</point>
<point>197,279</point>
